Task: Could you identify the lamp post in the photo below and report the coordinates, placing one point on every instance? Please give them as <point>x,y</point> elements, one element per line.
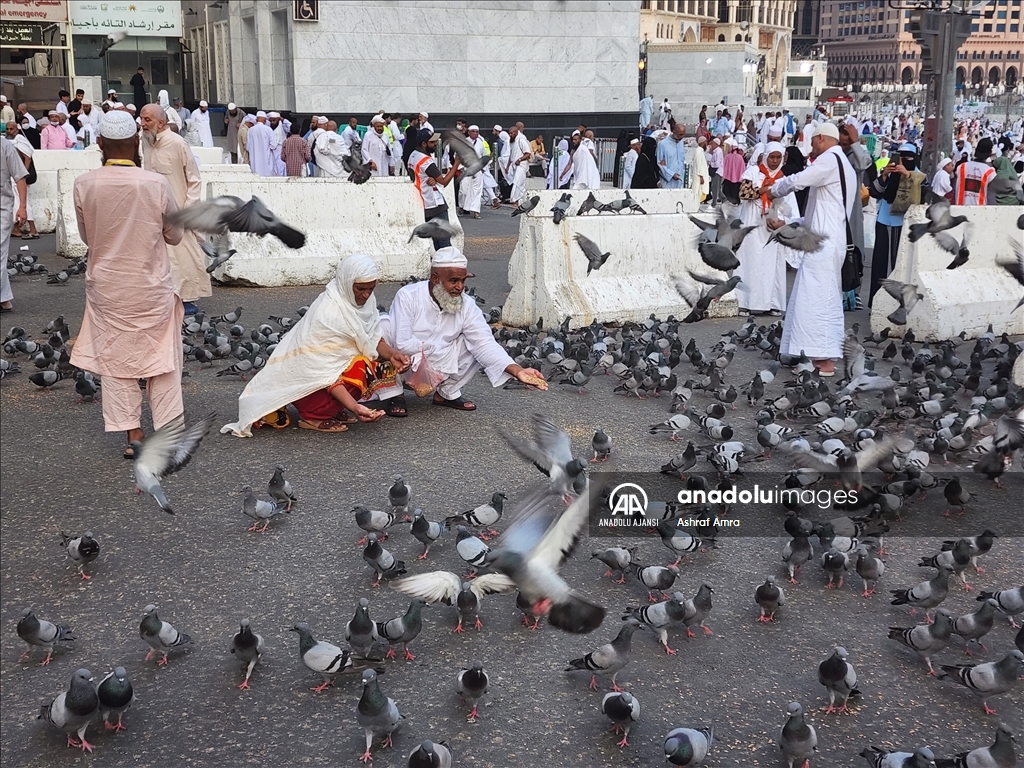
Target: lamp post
<point>642,67</point>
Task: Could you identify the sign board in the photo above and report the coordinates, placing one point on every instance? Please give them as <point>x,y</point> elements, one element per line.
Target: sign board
<point>306,10</point>
<point>141,18</point>
<point>46,11</point>
<point>20,33</point>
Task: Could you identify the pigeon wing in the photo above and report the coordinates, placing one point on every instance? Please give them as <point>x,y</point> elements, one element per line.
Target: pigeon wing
<point>471,161</point>
<point>209,216</point>
<point>589,247</point>
<point>947,242</point>
<point>853,357</point>
<point>434,587</point>
<point>552,439</point>
<point>560,539</point>
<point>254,217</point>
<point>1015,267</point>
<point>492,584</point>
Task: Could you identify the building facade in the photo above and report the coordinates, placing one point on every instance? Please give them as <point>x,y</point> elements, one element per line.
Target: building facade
<point>870,43</point>
<point>767,25</point>
<point>806,29</point>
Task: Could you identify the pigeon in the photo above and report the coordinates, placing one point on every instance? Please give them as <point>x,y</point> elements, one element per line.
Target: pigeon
<point>160,636</point>
<point>259,510</point>
<point>974,626</point>
<point>219,249</point>
<point>164,452</point>
<point>679,465</point>
<point>472,163</point>
<point>657,578</point>
<point>325,659</point>
<point>46,379</point>
<point>671,426</point>
<point>617,559</point>
<point>769,598</point>
<point>676,540</point>
<point>248,649</point>
<point>906,295</point>
<point>839,678</point>
<point>834,563</point>
<point>850,466</point>
<point>384,564</point>
<point>376,714</point>
<point>957,558</point>
<point>610,658</point>
<point>602,445</point>
<point>659,616</point>
<point>73,710</point>
<point>426,531</point>
<point>399,494</point>
<point>870,569</point>
<point>231,214</point>
<point>1010,601</point>
<point>798,237</point>
<point>799,741</point>
<point>595,259</point>
<point>551,452</point>
<point>1015,268</point>
<point>446,587</point>
<point>115,694</point>
<point>431,755</point>
<point>81,550</point>
<point>483,516</point>
<point>623,710</point>
<point>1000,755</point>
<point>956,495</point>
<point>926,639</point>
<point>41,634</point>
<point>718,256</point>
<point>939,220</point>
<point>86,387</point>
<point>361,630</point>
<point>373,521</point>
<point>110,41</point>
<point>927,594</point>
<point>359,171</point>
<point>403,629</point>
<point>989,679</point>
<point>697,609</point>
<point>699,299</point>
<point>470,548</point>
<point>959,248</point>
<point>590,204</point>
<point>888,758</point>
<point>435,229</point>
<point>280,489</point>
<point>561,208</point>
<point>525,206</point>
<point>978,545</point>
<point>686,746</point>
<point>473,682</point>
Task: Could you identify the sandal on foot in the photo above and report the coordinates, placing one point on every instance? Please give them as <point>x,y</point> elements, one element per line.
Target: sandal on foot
<point>458,404</point>
<point>395,406</point>
<point>324,425</point>
<point>129,453</point>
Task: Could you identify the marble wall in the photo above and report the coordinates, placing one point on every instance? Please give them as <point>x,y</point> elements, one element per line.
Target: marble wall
<point>682,75</point>
<point>450,56</point>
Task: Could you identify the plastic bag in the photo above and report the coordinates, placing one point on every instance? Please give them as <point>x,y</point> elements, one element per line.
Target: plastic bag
<point>424,379</point>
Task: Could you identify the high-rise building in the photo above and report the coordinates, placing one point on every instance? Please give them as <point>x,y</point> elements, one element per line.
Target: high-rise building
<point>869,42</point>
<point>806,29</point>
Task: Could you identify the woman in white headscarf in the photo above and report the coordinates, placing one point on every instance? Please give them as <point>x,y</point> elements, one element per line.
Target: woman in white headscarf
<point>173,118</point>
<point>332,359</point>
<point>762,264</point>
<point>560,165</point>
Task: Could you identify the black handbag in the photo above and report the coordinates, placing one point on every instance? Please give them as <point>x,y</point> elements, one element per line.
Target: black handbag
<point>853,264</point>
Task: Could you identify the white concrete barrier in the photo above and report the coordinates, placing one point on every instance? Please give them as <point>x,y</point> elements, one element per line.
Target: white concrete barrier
<point>210,155</point>
<point>968,298</point>
<point>44,195</point>
<point>339,218</point>
<point>1018,372</point>
<point>651,200</point>
<point>548,271</point>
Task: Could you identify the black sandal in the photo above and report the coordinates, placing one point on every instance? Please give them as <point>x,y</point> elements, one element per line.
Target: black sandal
<point>395,406</point>
<point>129,453</point>
<point>458,404</point>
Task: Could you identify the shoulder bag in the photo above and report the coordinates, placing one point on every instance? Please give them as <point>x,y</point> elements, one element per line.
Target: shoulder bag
<point>853,263</point>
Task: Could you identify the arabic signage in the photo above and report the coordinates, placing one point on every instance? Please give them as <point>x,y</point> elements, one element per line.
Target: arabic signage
<point>34,10</point>
<point>16,32</point>
<point>306,10</point>
<point>142,18</point>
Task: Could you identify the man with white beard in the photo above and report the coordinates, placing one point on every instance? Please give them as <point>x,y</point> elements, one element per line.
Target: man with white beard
<point>432,319</point>
<point>471,190</point>
<point>202,119</point>
<point>376,149</point>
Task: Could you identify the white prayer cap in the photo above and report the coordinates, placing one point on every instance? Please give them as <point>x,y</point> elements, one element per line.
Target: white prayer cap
<point>3,98</point>
<point>634,141</point>
<point>945,162</point>
<point>249,120</point>
<point>774,146</point>
<point>53,112</point>
<point>827,129</point>
<point>376,119</point>
<point>117,126</point>
<point>111,91</point>
<point>86,101</point>
<point>424,114</point>
<point>497,128</point>
<point>231,105</point>
<point>473,128</point>
<point>261,113</point>
<point>274,114</point>
<point>130,107</point>
<point>203,103</point>
<point>575,133</point>
<point>322,119</point>
<point>449,256</point>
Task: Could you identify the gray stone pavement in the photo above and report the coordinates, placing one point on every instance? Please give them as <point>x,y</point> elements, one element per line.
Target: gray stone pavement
<point>205,572</point>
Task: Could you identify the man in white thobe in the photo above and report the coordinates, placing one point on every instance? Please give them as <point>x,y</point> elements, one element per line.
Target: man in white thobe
<point>672,158</point>
<point>432,319</point>
<point>377,149</point>
<point>471,188</point>
<point>517,157</point>
<point>350,134</point>
<point>814,317</point>
<point>330,152</point>
<point>585,173</point>
<point>259,143</point>
<point>202,119</point>
<point>646,111</point>
<point>698,160</point>
<point>629,162</point>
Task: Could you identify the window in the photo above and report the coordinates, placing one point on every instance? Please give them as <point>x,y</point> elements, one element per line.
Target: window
<point>1015,27</point>
<point>986,28</point>
<point>975,27</point>
<point>906,27</point>
<point>1001,15</point>
<point>1000,27</point>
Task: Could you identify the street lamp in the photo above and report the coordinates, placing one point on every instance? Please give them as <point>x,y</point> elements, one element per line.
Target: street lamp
<point>642,68</point>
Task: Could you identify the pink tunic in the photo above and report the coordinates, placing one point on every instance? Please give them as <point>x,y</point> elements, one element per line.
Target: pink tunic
<point>131,327</point>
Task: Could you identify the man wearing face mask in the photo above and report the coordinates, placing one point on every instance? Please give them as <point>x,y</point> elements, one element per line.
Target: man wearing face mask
<point>53,136</point>
<point>169,155</point>
<point>895,188</point>
<point>376,149</point>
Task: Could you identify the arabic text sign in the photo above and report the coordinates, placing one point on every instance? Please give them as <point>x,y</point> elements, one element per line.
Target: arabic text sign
<point>34,10</point>
<point>149,18</point>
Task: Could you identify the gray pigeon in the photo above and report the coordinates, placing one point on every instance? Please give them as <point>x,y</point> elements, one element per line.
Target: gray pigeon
<point>839,678</point>
<point>551,452</point>
<point>698,608</point>
<point>426,531</point>
<point>595,259</point>
<point>110,41</point>
<point>431,755</point>
<point>81,550</point>
<point>73,710</point>
<point>686,746</point>
<point>798,742</point>
<point>483,516</point>
<point>617,559</point>
<point>399,494</point>
<point>115,694</point>
<point>623,710</point>
<point>989,679</point>
<point>926,595</point>
<point>1010,601</point>
<point>602,445</point>
<point>403,629</point>
<point>561,208</point>
<point>280,489</point>
<point>889,758</point>
<point>248,649</point>
<point>160,636</point>
<point>798,237</point>
<point>907,296</point>
<point>231,214</point>
<point>260,510</point>
<point>446,587</point>
<point>473,682</point>
<point>769,598</point>
<point>472,162</point>
<point>794,554</point>
<point>376,714</point>
<point>325,659</point>
<point>361,631</point>
<point>926,639</point>
<point>939,220</point>
<point>660,616</point>
<point>373,521</point>
<point>385,565</point>
<point>610,658</point>
<point>974,626</point>
<point>470,548</point>
<point>1000,755</point>
<point>164,452</point>
<point>525,206</point>
<point>435,229</point>
<point>718,256</point>
<point>41,634</point>
<point>870,569</point>
<point>657,578</point>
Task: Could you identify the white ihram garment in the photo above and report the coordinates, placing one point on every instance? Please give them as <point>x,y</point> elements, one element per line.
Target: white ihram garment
<point>762,267</point>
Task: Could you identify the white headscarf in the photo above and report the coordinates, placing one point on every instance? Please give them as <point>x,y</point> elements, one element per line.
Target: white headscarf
<point>163,100</point>
<point>347,317</point>
<point>756,153</point>
<point>774,146</point>
<point>560,160</point>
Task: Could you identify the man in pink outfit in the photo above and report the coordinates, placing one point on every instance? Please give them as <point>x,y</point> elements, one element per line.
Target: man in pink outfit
<point>53,136</point>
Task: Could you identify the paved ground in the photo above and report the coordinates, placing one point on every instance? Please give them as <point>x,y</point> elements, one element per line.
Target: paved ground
<point>60,471</point>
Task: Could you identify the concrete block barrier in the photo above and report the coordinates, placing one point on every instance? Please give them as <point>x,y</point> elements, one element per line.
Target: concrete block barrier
<point>44,195</point>
<point>968,298</point>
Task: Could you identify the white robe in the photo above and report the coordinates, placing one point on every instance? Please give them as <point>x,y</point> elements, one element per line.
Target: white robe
<point>375,150</point>
<point>762,267</point>
<point>330,149</point>
<point>628,166</point>
<point>259,142</point>
<point>349,135</point>
<point>471,188</point>
<point>585,173</point>
<point>515,172</point>
<point>455,345</point>
<point>814,318</point>
<point>203,126</point>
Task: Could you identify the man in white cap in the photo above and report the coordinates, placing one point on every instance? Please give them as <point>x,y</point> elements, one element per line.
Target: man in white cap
<point>13,211</point>
<point>169,155</point>
<point>515,158</point>
<point>424,123</point>
<point>715,159</point>
<point>432,320</point>
<point>6,111</point>
<point>112,96</point>
<point>377,149</point>
<point>52,135</point>
<point>330,152</point>
<point>201,117</point>
<point>132,321</point>
<point>243,138</point>
<point>814,317</point>
<point>629,162</point>
<point>66,126</point>
<point>260,145</point>
<point>317,124</point>
<point>233,120</point>
<point>471,189</point>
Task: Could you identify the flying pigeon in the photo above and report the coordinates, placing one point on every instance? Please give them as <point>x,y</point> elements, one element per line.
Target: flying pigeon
<point>551,452</point>
<point>160,636</point>
<point>472,163</point>
<point>41,634</point>
<point>595,259</point>
<point>1015,268</point>
<point>248,649</point>
<point>939,220</point>
<point>798,237</point>
<point>164,452</point>
<point>115,695</point>
<point>73,710</point>
<point>435,229</point>
<point>907,296</point>
<point>446,587</point>
<point>110,41</point>
<point>231,214</point>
